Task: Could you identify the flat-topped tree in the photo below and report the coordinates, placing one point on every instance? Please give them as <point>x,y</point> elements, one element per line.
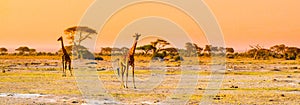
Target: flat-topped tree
<point>81,33</point>
<point>260,52</point>
<point>158,46</point>
<point>145,48</point>
<point>22,49</point>
<point>3,50</point>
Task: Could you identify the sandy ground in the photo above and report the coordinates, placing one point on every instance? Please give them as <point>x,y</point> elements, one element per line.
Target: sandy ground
<point>40,82</point>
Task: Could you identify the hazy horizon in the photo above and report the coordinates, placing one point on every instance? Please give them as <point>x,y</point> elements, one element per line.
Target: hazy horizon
<point>38,24</point>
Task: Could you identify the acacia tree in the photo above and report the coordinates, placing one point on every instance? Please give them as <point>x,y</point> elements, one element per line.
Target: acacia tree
<point>172,51</point>
<point>106,50</point>
<point>222,49</point>
<point>192,47</point>
<point>279,50</point>
<point>22,49</point>
<point>158,45</point>
<point>3,50</point>
<point>124,50</point>
<point>189,48</point>
<point>291,53</point>
<point>115,51</point>
<point>198,49</point>
<point>32,51</point>
<point>230,50</point>
<point>208,49</point>
<point>145,48</point>
<point>77,34</point>
<point>260,52</point>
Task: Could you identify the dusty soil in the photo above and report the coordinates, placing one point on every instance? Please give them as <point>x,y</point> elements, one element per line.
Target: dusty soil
<point>26,81</point>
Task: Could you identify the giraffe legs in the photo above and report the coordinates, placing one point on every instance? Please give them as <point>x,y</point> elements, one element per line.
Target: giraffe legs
<point>66,64</point>
<point>70,69</point>
<point>127,67</point>
<point>65,69</point>
<point>133,76</point>
<point>63,64</point>
<point>122,68</point>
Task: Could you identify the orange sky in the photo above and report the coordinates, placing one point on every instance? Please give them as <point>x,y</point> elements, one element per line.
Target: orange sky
<point>38,23</point>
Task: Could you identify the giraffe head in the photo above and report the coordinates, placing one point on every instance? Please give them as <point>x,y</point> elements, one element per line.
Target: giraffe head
<point>136,35</point>
<point>60,38</point>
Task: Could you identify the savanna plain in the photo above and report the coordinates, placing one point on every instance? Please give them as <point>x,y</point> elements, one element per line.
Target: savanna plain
<point>38,80</point>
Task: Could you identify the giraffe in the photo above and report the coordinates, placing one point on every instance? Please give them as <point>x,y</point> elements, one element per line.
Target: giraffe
<point>128,61</point>
<point>66,60</point>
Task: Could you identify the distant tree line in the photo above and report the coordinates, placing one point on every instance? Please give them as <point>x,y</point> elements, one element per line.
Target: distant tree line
<point>277,51</point>
<point>161,49</point>
<point>26,51</point>
<point>158,49</point>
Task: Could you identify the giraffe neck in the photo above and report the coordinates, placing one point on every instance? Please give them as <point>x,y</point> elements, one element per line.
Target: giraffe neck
<point>63,47</point>
<point>132,50</point>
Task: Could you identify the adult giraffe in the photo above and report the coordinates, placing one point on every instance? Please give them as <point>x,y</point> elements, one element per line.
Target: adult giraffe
<point>66,60</point>
<point>129,61</point>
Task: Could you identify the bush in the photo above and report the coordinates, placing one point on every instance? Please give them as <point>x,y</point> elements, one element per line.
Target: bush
<point>290,56</point>
<point>87,54</point>
<point>178,58</point>
<point>159,55</point>
<point>230,56</point>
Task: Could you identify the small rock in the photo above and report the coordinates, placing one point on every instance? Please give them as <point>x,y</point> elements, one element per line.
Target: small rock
<point>91,63</point>
<point>65,98</point>
<point>10,95</point>
<point>282,95</point>
<point>101,69</point>
<point>217,98</point>
<point>199,88</point>
<point>271,100</point>
<point>99,58</point>
<point>276,69</point>
<point>75,101</point>
<point>289,76</point>
<point>234,86</point>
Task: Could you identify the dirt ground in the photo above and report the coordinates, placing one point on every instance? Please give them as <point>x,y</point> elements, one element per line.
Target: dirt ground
<point>27,81</point>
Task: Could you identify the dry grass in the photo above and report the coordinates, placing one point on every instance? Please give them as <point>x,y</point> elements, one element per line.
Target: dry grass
<point>255,80</point>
